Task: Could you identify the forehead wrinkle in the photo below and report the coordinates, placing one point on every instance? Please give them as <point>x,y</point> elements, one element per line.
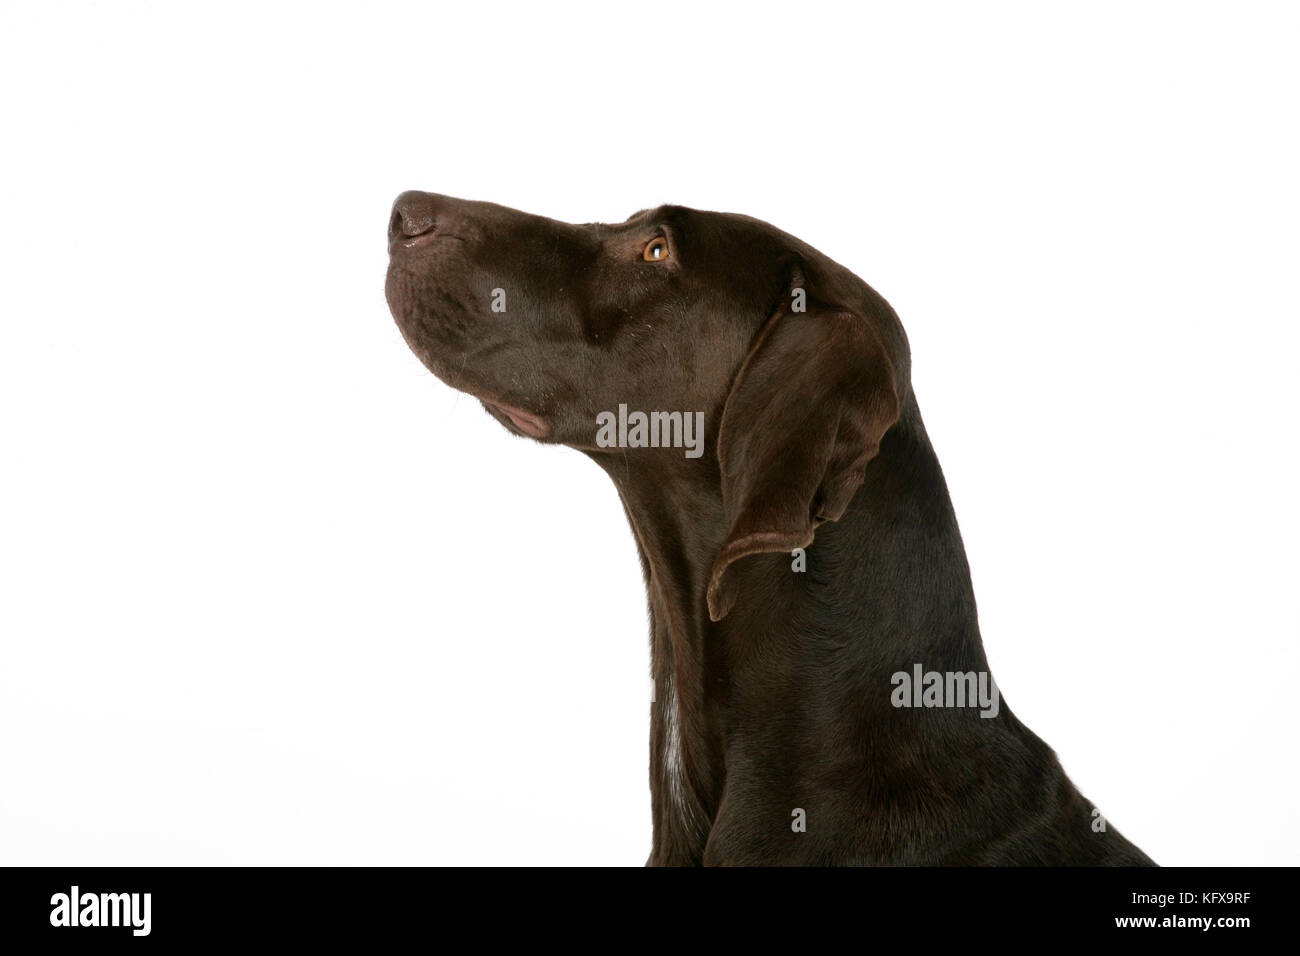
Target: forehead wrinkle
<point>639,219</point>
<point>660,213</point>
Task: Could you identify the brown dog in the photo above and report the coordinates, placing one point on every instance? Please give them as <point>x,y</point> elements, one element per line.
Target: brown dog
<point>816,702</point>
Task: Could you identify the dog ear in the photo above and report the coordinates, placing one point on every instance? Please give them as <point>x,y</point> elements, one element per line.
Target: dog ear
<point>806,412</point>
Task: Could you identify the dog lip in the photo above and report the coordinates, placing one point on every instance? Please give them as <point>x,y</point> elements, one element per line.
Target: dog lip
<point>532,425</point>
<point>398,243</point>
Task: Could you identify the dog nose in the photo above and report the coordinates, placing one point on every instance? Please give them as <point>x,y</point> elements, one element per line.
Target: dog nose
<point>414,214</point>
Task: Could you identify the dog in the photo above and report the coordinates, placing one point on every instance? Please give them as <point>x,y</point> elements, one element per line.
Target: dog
<point>822,695</point>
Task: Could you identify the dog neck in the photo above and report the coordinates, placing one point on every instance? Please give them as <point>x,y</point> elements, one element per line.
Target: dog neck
<point>720,687</point>
<point>674,508</point>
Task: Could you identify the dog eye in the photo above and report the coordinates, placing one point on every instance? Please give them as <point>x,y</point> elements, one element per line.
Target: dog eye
<point>656,250</point>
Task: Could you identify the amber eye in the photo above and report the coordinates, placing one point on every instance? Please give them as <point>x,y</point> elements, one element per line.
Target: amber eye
<point>656,250</point>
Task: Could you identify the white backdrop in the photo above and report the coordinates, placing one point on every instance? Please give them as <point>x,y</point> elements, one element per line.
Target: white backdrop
<point>273,594</point>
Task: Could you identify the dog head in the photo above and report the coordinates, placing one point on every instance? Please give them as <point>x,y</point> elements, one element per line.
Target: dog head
<point>796,366</point>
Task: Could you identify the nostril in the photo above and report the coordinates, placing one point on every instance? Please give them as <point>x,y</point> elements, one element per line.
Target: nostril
<point>412,215</point>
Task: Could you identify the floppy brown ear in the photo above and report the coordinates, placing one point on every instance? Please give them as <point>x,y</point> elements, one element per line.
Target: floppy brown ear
<point>806,412</point>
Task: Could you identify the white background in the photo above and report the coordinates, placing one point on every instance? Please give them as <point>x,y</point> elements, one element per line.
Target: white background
<point>273,594</point>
